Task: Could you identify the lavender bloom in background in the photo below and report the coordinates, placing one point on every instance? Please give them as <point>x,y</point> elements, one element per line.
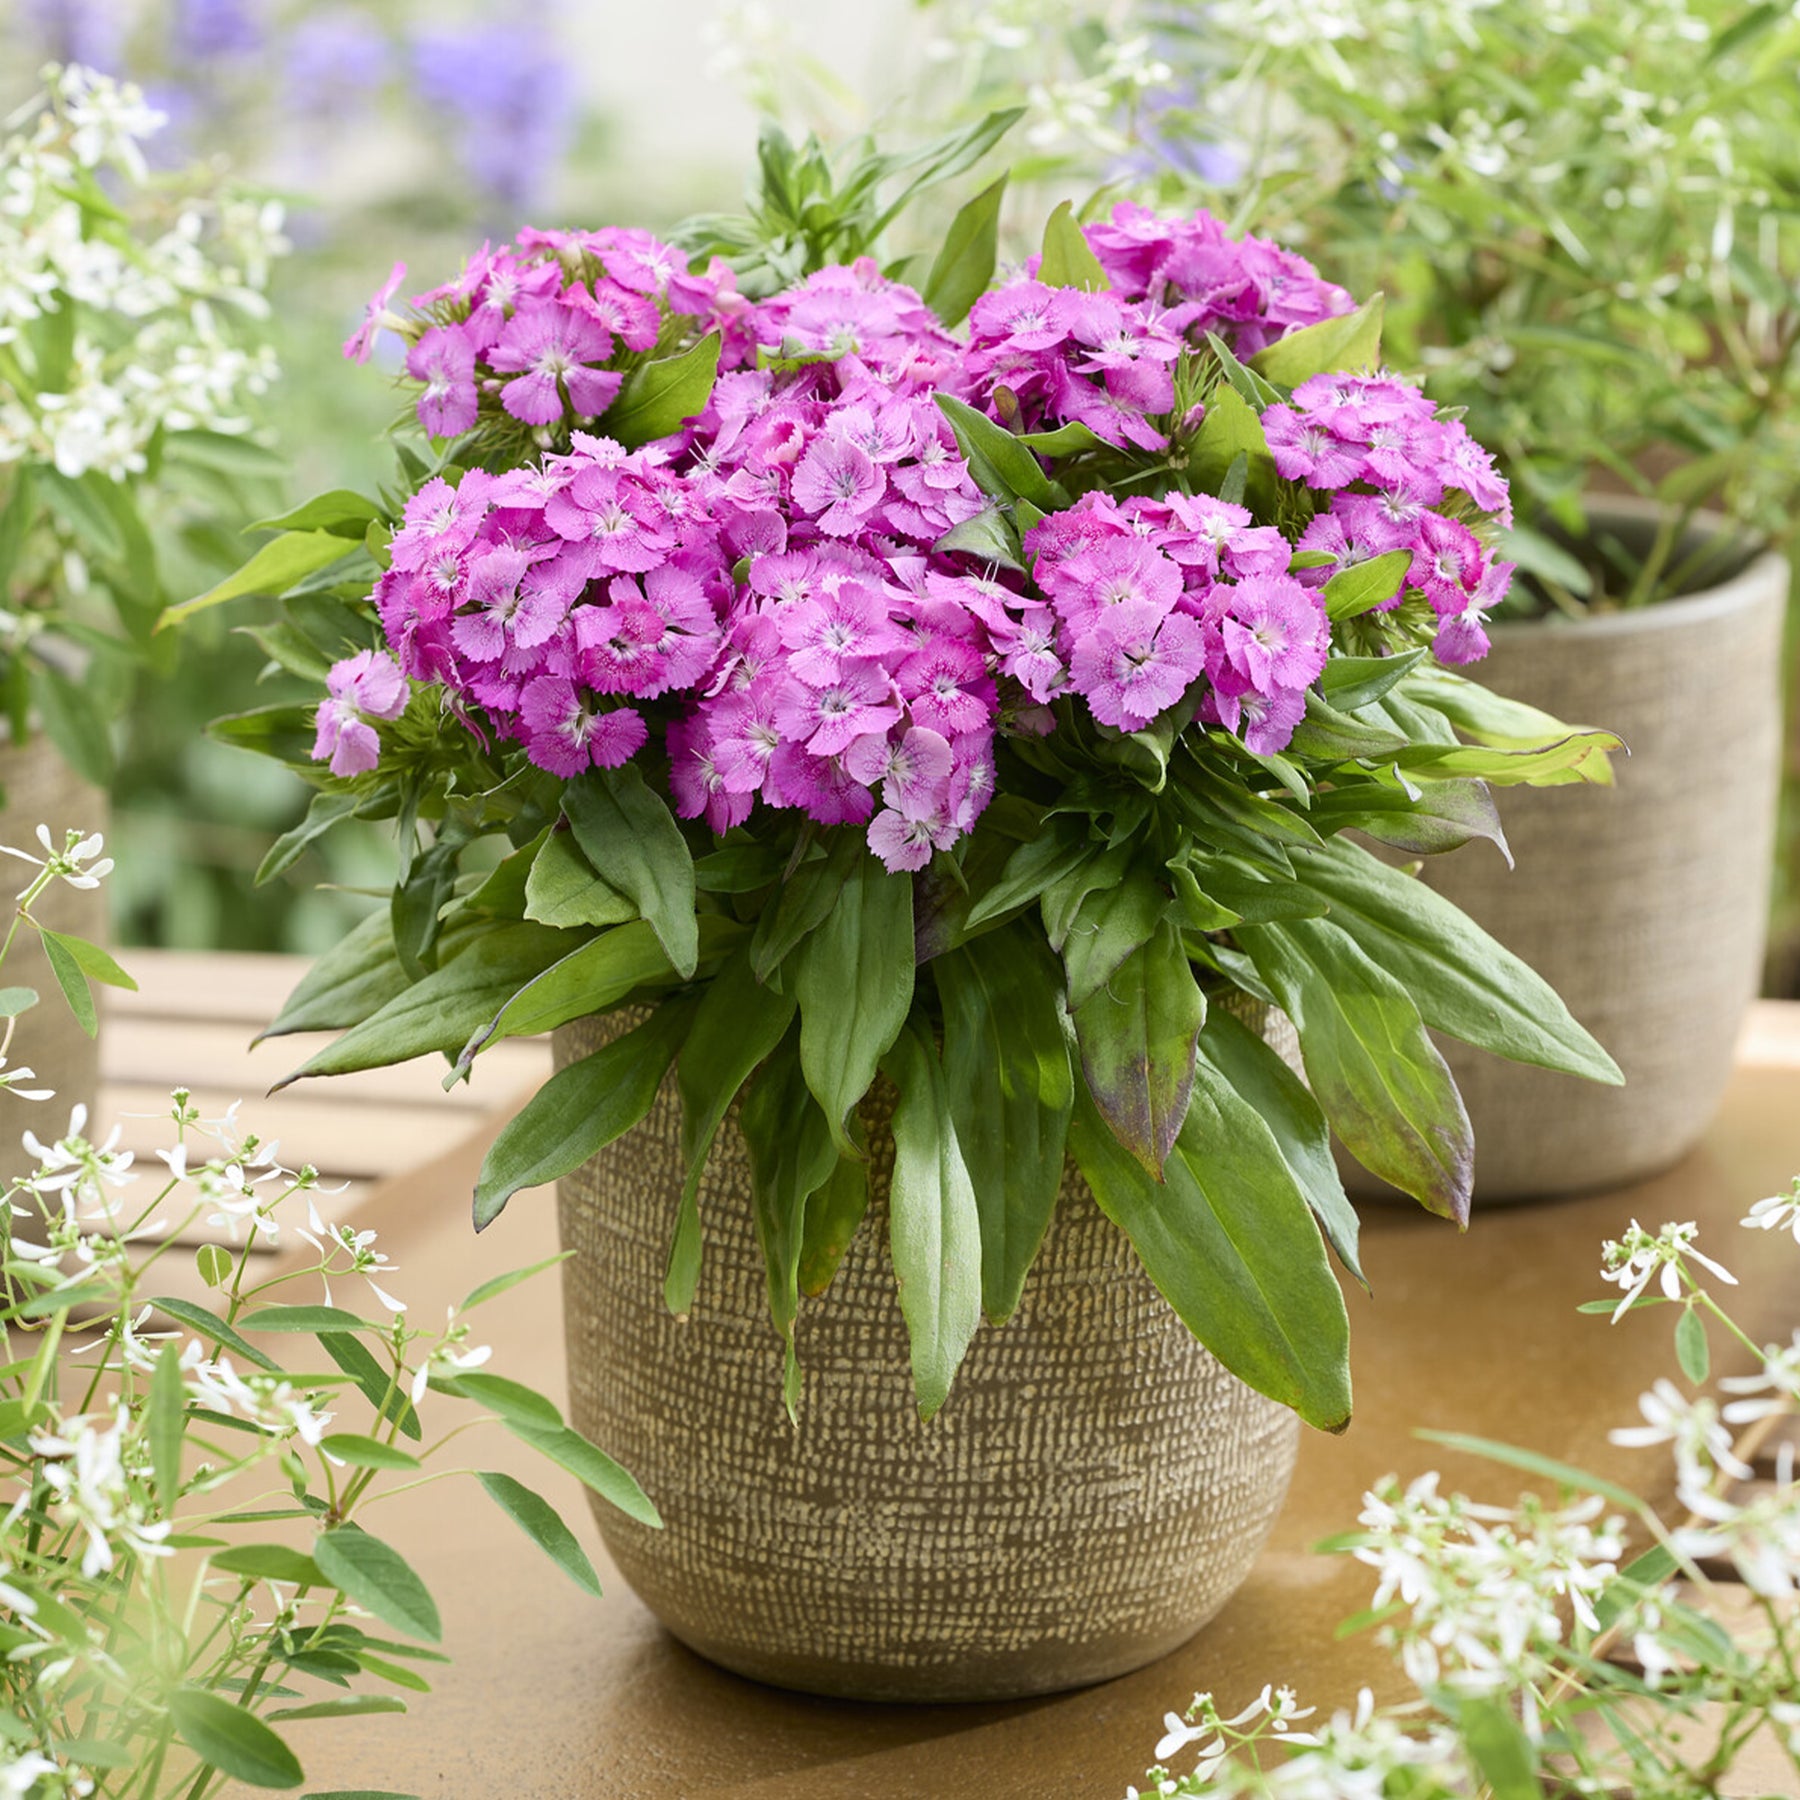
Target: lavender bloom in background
<point>505,93</point>
<point>333,61</point>
<point>201,30</point>
<point>78,31</point>
<point>1167,139</point>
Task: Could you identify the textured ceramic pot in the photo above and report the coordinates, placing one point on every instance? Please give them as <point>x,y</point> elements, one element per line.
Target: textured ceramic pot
<point>1644,905</point>
<point>40,788</point>
<point>1092,1491</point>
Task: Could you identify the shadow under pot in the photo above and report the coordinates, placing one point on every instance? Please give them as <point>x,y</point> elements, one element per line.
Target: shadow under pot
<point>1644,905</point>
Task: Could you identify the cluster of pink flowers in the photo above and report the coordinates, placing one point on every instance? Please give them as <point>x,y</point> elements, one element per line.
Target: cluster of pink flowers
<point>1377,446</point>
<point>526,324</point>
<point>763,592</point>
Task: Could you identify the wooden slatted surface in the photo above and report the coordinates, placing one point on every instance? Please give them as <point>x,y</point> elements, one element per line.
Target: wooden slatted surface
<point>191,1023</point>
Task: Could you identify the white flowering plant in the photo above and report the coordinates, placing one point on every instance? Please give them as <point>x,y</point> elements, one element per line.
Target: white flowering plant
<point>1579,1645</point>
<point>132,326</point>
<point>184,1562</point>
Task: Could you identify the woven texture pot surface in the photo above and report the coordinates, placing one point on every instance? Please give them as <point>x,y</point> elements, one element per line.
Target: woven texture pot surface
<point>41,788</point>
<point>1644,905</point>
<point>1094,1488</point>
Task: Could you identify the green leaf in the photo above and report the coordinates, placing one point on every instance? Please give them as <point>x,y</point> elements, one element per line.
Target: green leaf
<point>934,1225</point>
<point>541,1522</point>
<point>854,982</point>
<point>1255,1071</point>
<point>82,510</point>
<point>211,1326</point>
<point>1138,1037</point>
<point>274,569</point>
<point>269,1562</point>
<point>1327,735</point>
<point>375,1576</point>
<point>1228,1239</point>
<point>579,1110</point>
<point>512,1402</point>
<point>362,1452</point>
<point>999,464</point>
<point>1649,1570</point>
<point>1444,816</point>
<point>383,1388</point>
<point>805,899</point>
<point>1067,260</point>
<point>1111,923</point>
<point>1370,1064</point>
<point>1349,342</point>
<point>1058,850</point>
<point>499,1284</point>
<point>350,982</point>
<point>93,961</point>
<point>352,1706</point>
<point>1232,429</point>
<point>323,812</point>
<point>987,537</point>
<point>630,837</point>
<point>1065,440</point>
<point>1011,1089</point>
<point>1352,681</point>
<point>739,1024</point>
<point>215,1264</point>
<point>791,1158</point>
<point>284,732</point>
<point>16,520</point>
<point>1581,755</point>
<point>1547,559</point>
<point>833,1213</point>
<point>453,1001</point>
<point>965,264</point>
<point>74,724</point>
<point>306,1318</point>
<point>1463,982</point>
<point>1690,1346</point>
<point>225,453</point>
<point>1364,586</point>
<point>233,1741</point>
<point>340,512</point>
<point>165,1413</point>
<point>589,1464</point>
<point>738,869</point>
<point>17,1000</point>
<point>1499,1747</point>
<point>562,889</point>
<point>659,397</point>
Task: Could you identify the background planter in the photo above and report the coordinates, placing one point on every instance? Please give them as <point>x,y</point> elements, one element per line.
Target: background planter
<point>1092,1491</point>
<point>1645,905</point>
<point>40,788</point>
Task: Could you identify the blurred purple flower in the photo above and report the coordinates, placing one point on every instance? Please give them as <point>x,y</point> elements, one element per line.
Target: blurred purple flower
<point>79,31</point>
<point>333,60</point>
<point>202,30</point>
<point>506,93</point>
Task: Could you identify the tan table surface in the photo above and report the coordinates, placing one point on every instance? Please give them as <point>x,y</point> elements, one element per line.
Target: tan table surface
<point>553,1694</point>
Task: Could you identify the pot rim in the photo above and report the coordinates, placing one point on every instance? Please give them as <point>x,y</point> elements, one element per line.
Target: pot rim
<point>1763,579</point>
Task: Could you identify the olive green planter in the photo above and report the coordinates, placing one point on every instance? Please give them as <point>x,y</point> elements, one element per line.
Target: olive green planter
<point>1093,1490</point>
<point>40,788</point>
<point>1644,905</point>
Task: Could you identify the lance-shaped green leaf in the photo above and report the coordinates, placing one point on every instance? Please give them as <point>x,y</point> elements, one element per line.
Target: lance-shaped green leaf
<point>439,1013</point>
<point>324,811</point>
<point>833,1212</point>
<point>1006,1068</point>
<point>854,981</point>
<point>1327,735</point>
<point>591,1466</point>
<point>965,265</point>
<point>804,901</point>
<point>1112,921</point>
<point>580,1110</point>
<point>342,512</point>
<point>1364,586</point>
<point>659,397</point>
<point>1440,816</point>
<point>739,1024</point>
<point>1580,756</point>
<point>1254,1070</point>
<point>1228,1240</point>
<point>1061,847</point>
<point>378,1578</point>
<point>231,1740</point>
<point>276,567</point>
<point>631,839</point>
<point>1349,342</point>
<point>1000,465</point>
<point>934,1226</point>
<point>543,1524</point>
<point>356,977</point>
<point>1231,429</point>
<point>1067,261</point>
<point>791,1157</point>
<point>1463,981</point>
<point>1137,1037</point>
<point>1352,681</point>
<point>1369,1062</point>
<point>562,889</point>
<point>163,1416</point>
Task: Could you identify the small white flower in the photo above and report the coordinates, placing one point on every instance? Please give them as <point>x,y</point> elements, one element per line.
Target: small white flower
<point>1779,1212</point>
<point>1777,1382</point>
<point>84,1467</point>
<point>1633,1260</point>
<point>1701,1442</point>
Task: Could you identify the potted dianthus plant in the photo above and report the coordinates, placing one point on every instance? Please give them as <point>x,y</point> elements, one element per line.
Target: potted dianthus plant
<point>1585,229</point>
<point>902,741</point>
<point>130,344</point>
